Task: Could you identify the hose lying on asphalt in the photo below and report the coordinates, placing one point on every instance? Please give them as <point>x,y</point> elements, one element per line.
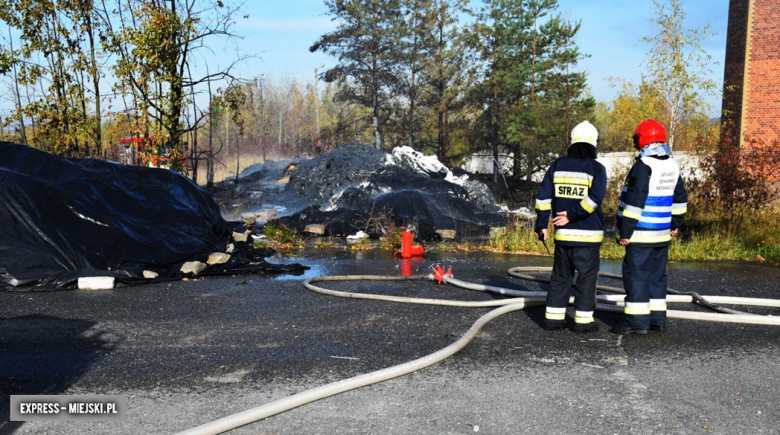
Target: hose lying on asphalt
<point>264,411</point>
<point>710,302</point>
<point>521,300</point>
<point>697,298</point>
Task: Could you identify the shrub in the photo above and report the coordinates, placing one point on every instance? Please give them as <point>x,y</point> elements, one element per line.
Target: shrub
<point>736,182</point>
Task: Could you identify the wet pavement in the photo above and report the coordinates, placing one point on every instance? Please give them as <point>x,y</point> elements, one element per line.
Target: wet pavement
<point>186,353</point>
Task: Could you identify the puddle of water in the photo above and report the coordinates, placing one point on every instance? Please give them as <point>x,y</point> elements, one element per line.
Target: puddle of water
<point>700,275</point>
<point>314,271</point>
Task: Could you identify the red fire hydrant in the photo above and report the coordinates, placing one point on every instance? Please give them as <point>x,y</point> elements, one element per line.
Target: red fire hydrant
<point>439,273</point>
<point>408,249</point>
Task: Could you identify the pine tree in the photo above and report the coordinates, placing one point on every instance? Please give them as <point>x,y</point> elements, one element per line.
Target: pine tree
<point>443,76</point>
<point>367,43</point>
<point>416,42</point>
<point>530,88</point>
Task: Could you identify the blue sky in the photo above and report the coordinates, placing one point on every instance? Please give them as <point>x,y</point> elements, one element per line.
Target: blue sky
<point>280,32</point>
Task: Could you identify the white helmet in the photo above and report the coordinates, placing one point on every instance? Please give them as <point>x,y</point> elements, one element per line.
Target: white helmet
<point>584,132</point>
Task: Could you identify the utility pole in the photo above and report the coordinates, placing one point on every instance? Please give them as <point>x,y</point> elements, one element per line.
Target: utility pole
<point>260,124</point>
<point>317,102</point>
<point>227,132</point>
<point>17,94</point>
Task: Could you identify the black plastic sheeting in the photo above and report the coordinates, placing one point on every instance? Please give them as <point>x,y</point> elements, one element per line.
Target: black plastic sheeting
<point>61,219</point>
<point>337,223</point>
<point>434,212</point>
<point>426,210</point>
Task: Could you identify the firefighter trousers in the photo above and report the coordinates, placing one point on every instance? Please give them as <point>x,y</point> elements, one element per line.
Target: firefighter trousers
<point>644,277</point>
<point>567,259</point>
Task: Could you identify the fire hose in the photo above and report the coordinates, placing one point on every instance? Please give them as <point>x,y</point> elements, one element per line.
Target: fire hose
<point>520,300</point>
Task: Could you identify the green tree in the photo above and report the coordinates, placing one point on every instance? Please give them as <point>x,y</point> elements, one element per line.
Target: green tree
<point>678,67</point>
<point>155,44</point>
<point>58,58</point>
<point>367,43</point>
<point>492,32</point>
<point>343,121</point>
<point>443,74</point>
<point>419,19</point>
<point>555,98</point>
<point>530,88</point>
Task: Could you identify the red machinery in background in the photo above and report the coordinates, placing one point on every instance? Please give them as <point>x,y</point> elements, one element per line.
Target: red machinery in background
<point>140,151</point>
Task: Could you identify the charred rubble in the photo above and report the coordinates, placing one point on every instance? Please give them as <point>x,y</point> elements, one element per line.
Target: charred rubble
<point>349,188</point>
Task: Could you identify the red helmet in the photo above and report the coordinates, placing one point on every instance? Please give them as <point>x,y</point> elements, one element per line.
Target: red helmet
<point>650,131</point>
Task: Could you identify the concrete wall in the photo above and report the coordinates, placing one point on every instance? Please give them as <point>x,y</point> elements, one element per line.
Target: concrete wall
<point>616,164</point>
<point>483,163</point>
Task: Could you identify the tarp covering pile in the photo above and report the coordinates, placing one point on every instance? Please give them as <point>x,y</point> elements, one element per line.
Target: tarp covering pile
<point>348,187</point>
<point>61,219</point>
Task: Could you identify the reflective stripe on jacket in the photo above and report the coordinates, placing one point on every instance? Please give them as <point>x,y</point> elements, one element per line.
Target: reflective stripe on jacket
<point>576,186</point>
<point>652,203</point>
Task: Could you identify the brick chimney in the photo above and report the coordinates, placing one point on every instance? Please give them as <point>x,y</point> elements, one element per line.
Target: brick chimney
<point>751,82</point>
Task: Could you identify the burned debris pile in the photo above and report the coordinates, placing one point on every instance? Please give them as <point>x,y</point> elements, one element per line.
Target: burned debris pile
<point>348,189</point>
<point>64,219</point>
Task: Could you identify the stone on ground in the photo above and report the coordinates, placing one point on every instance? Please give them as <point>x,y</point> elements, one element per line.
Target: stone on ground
<point>446,234</point>
<point>248,218</point>
<point>266,214</point>
<point>315,229</point>
<point>96,283</point>
<point>218,258</point>
<point>193,267</point>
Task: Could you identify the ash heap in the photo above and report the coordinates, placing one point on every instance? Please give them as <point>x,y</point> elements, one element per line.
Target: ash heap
<point>352,187</point>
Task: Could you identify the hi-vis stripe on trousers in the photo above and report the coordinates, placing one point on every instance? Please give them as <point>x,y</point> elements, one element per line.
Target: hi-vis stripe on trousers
<point>644,277</point>
<point>585,260</point>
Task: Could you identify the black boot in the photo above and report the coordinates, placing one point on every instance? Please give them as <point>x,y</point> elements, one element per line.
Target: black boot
<point>582,328</point>
<point>625,328</point>
<point>554,325</point>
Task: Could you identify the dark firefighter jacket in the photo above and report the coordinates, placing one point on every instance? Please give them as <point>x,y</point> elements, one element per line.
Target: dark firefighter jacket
<point>653,202</point>
<point>576,186</point>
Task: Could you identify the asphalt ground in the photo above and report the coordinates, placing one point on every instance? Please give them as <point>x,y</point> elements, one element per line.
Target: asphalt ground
<point>186,353</point>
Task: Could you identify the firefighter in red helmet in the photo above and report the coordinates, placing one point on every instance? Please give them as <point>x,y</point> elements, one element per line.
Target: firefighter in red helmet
<point>652,206</point>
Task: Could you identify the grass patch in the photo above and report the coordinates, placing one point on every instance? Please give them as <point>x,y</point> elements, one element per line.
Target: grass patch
<point>324,244</point>
<point>518,238</point>
<point>281,238</point>
<point>362,245</point>
<point>758,238</point>
<point>391,241</point>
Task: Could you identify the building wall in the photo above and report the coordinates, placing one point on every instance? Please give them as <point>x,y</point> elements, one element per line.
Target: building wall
<point>751,90</point>
<point>734,73</point>
<point>761,119</point>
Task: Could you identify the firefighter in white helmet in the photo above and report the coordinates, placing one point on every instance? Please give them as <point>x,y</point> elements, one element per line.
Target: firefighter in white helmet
<point>572,191</point>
